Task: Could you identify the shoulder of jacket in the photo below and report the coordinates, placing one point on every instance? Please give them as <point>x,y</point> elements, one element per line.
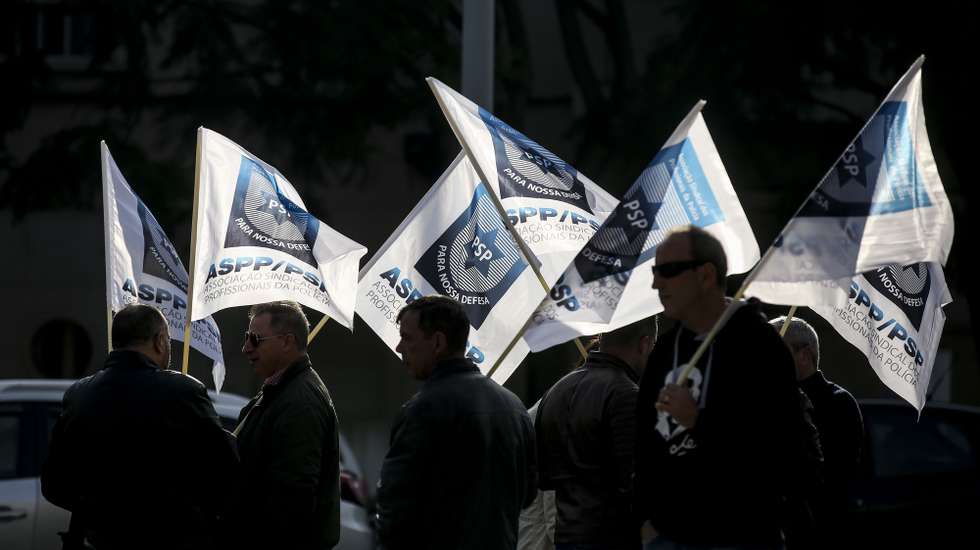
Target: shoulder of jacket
<point>179,381</point>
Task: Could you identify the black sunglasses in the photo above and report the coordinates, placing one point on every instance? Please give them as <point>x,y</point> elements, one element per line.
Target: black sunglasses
<point>255,339</point>
<point>670,270</point>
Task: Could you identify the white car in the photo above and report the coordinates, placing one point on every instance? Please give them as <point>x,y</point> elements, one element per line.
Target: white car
<point>28,411</point>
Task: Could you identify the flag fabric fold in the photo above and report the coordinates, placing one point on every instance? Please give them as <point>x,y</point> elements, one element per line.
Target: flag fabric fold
<point>453,243</point>
<point>608,285</point>
<point>142,265</point>
<point>257,241</point>
<point>894,316</point>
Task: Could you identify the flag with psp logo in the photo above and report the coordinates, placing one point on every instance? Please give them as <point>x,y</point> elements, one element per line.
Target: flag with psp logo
<point>257,241</point>
<point>608,284</point>
<point>142,266</point>
<point>554,208</point>
<point>881,203</point>
<point>454,243</point>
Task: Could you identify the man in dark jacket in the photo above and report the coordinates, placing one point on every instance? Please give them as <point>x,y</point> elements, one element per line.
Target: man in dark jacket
<point>289,495</point>
<point>716,456</point>
<point>461,462</point>
<point>138,454</point>
<point>585,431</point>
<point>839,423</point>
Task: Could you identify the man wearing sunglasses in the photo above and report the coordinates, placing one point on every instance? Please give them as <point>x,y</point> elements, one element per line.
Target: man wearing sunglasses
<point>289,494</point>
<point>715,456</point>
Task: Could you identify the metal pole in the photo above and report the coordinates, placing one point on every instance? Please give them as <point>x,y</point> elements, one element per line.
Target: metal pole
<point>478,25</point>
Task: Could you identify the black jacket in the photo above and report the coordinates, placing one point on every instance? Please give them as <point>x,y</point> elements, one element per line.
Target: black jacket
<point>724,481</point>
<point>585,431</point>
<point>460,467</point>
<point>841,428</point>
<point>289,492</point>
<point>139,455</point>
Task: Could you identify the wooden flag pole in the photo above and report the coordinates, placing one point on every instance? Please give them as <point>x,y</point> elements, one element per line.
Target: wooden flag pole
<point>510,346</point>
<point>789,317</point>
<point>532,260</point>
<point>529,256</point>
<point>316,329</point>
<point>190,280</point>
<point>723,319</point>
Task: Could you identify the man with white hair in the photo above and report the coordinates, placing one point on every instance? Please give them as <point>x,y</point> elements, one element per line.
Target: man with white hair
<point>838,420</point>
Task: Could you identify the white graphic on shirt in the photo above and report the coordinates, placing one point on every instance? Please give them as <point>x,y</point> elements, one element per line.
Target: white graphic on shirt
<point>668,428</point>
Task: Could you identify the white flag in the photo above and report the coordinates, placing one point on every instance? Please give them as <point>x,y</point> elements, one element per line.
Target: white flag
<point>894,316</point>
<point>143,267</point>
<point>453,243</point>
<point>881,204</point>
<point>609,283</point>
<point>553,207</point>
<point>256,241</point>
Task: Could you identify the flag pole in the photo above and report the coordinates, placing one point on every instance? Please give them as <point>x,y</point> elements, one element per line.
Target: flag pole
<point>532,260</point>
<point>510,346</point>
<point>190,280</point>
<point>106,201</point>
<point>789,317</point>
<point>581,348</point>
<point>316,329</point>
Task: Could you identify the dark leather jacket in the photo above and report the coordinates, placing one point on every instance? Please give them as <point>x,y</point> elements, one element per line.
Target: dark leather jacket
<point>585,430</point>
<point>289,493</point>
<point>140,455</point>
<point>460,466</point>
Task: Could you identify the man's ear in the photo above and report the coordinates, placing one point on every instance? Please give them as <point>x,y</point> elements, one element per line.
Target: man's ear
<point>709,274</point>
<point>161,342</point>
<point>441,343</point>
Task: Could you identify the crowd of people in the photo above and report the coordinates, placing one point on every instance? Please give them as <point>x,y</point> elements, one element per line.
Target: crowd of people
<point>750,447</point>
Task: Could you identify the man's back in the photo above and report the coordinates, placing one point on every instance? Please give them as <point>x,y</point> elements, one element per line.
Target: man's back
<point>461,465</point>
<point>585,433</point>
<point>138,453</point>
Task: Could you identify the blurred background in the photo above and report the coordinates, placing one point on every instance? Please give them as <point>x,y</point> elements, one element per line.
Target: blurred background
<point>332,93</point>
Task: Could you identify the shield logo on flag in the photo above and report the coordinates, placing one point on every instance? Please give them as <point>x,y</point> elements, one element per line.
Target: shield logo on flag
<point>624,240</point>
<point>160,259</point>
<point>262,216</point>
<point>475,260</point>
<point>877,174</point>
<point>906,286</point>
<point>525,169</point>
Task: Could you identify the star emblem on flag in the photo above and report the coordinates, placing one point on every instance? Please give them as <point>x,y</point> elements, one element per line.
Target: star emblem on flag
<point>489,240</point>
<point>280,213</point>
<point>853,164</point>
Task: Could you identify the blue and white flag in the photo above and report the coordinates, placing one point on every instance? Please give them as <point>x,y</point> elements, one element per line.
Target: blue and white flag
<point>454,243</point>
<point>257,242</point>
<point>882,203</point>
<point>553,207</point>
<point>142,266</point>
<point>608,285</point>
<point>894,315</point>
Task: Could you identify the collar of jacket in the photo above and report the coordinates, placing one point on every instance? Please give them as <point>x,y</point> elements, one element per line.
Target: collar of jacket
<point>291,372</point>
<point>129,359</point>
<point>814,381</point>
<point>450,367</point>
<point>602,360</point>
